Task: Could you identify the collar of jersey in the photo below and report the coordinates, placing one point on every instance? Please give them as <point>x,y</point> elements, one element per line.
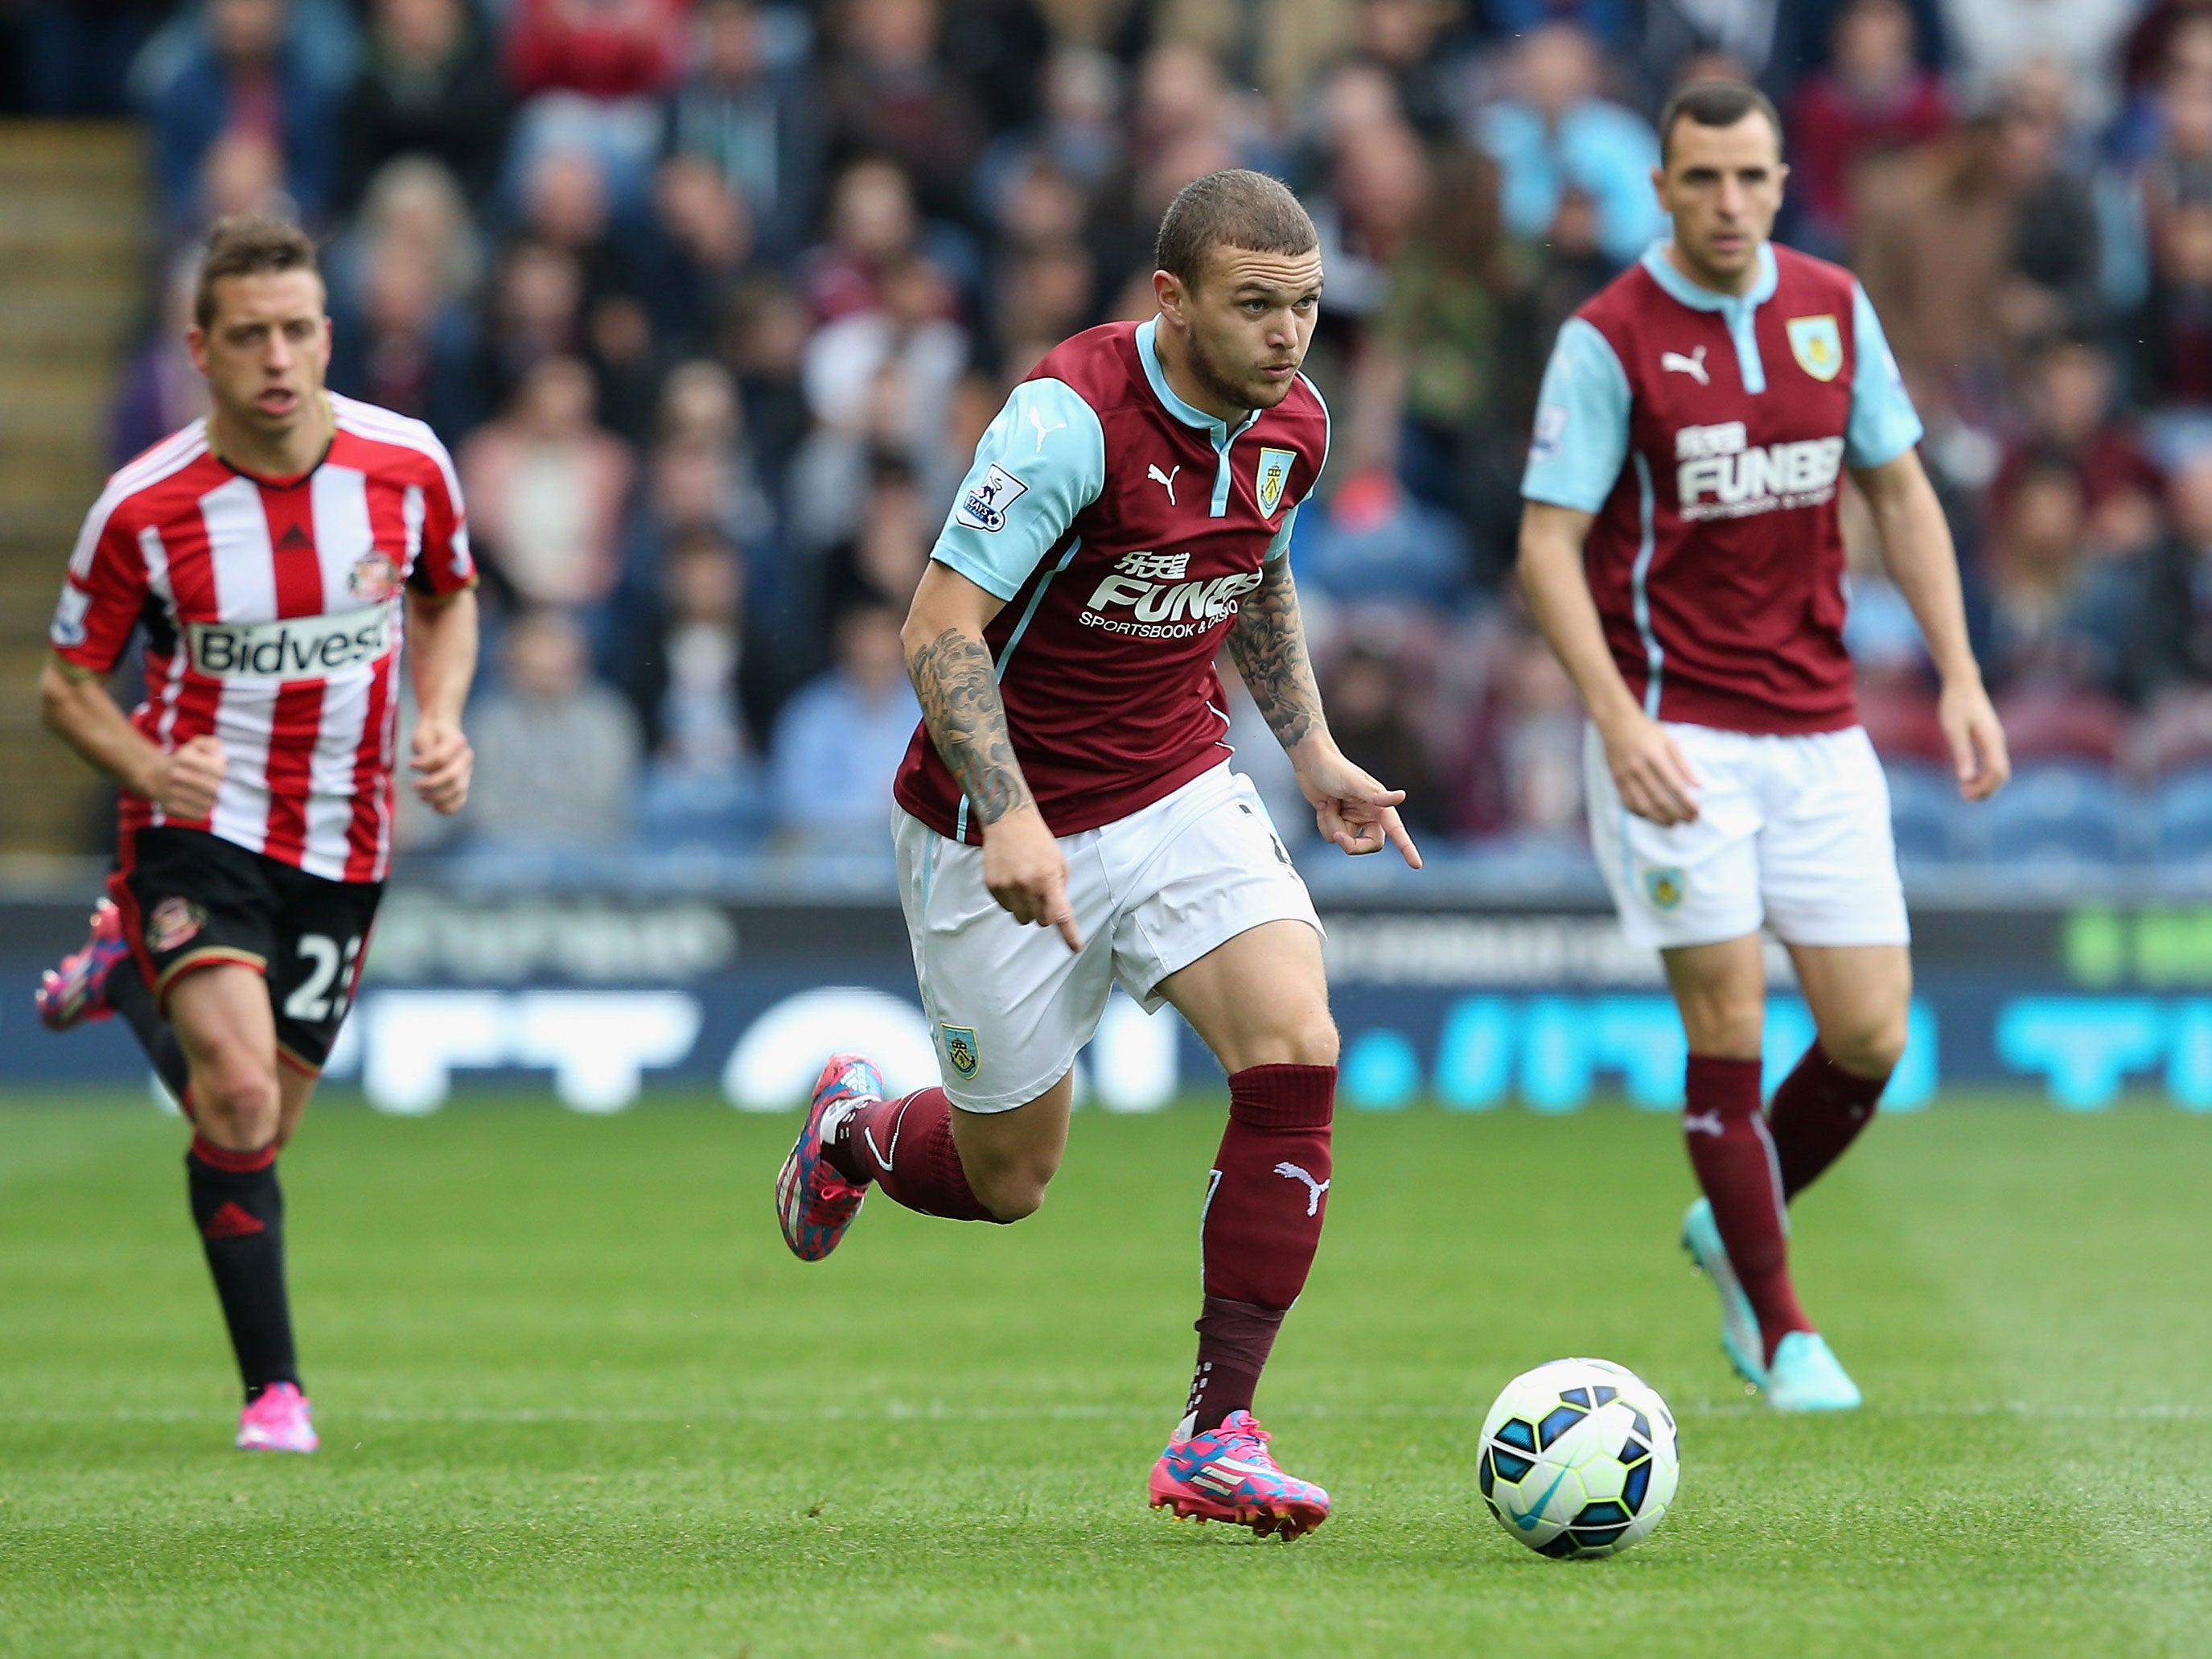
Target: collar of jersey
<point>1220,434</point>
<point>1737,310</point>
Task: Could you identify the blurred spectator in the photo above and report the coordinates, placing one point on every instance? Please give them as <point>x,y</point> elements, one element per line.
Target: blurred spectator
<point>888,91</point>
<point>415,202</point>
<point>1555,133</point>
<point>763,342</point>
<point>873,225</point>
<point>2174,330</point>
<point>882,563</point>
<point>565,204</point>
<point>536,312</point>
<point>1973,245</point>
<point>2058,617</point>
<point>1378,180</point>
<point>1373,543</point>
<point>545,488</point>
<point>700,415</point>
<point>1404,39</point>
<point>160,390</point>
<point>1524,775</point>
<point>603,49</point>
<point>754,124</point>
<point>429,87</point>
<point>2071,422</point>
<point>701,675</point>
<point>1873,98</point>
<point>1366,694</point>
<point>2173,643</point>
<point>1076,137</point>
<point>557,752</point>
<point>702,245</point>
<point>1436,392</point>
<point>406,347</point>
<point>1993,41</point>
<point>244,76</point>
<point>839,741</point>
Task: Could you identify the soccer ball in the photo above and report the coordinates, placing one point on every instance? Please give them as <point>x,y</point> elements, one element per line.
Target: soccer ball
<point>1578,1458</point>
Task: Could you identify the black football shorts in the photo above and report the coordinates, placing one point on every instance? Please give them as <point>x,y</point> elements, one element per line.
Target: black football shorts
<point>190,900</point>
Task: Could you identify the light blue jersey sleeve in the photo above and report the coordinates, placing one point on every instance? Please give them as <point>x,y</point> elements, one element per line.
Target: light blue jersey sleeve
<point>1883,425</point>
<point>1581,422</point>
<point>1040,463</point>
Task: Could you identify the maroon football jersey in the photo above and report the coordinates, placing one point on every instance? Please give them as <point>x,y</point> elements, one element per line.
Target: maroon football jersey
<point>1717,560</point>
<point>1122,526</point>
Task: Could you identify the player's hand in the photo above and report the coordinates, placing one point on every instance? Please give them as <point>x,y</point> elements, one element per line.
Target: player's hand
<point>1027,873</point>
<point>443,764</point>
<point>184,783</point>
<point>1351,808</point>
<point>1654,781</point>
<point>1976,739</point>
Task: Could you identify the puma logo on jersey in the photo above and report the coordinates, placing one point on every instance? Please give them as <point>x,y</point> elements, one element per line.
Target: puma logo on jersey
<point>1314,1189</point>
<point>1703,1123</point>
<point>1036,420</point>
<point>1674,362</point>
<point>1158,477</point>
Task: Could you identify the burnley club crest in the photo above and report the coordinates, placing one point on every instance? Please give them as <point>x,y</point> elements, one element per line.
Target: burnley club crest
<point>1273,477</point>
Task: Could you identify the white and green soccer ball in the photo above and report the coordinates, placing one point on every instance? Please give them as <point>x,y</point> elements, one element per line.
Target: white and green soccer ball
<point>1578,1458</point>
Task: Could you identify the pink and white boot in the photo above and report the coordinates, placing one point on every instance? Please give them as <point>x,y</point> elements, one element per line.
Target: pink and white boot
<point>280,1420</point>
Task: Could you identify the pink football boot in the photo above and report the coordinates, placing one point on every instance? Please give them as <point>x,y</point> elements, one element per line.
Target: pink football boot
<point>1228,1474</point>
<point>75,992</point>
<point>278,1421</point>
<point>814,1204</point>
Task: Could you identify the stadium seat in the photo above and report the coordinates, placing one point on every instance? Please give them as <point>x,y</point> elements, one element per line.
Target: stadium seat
<point>2059,814</point>
<point>2181,817</point>
<point>1923,811</point>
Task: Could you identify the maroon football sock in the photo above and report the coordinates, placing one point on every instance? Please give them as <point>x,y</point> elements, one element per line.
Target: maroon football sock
<point>1818,1112</point>
<point>1734,1156</point>
<point>905,1146</point>
<point>1264,1208</point>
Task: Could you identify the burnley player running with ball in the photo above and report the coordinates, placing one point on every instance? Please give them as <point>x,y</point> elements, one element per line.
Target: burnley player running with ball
<point>272,553</point>
<point>1067,818</point>
<point>1682,553</point>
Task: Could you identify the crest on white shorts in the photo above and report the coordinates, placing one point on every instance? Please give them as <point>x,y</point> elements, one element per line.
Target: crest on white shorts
<point>960,1050</point>
<point>1817,344</point>
<point>1666,887</point>
<point>1272,479</point>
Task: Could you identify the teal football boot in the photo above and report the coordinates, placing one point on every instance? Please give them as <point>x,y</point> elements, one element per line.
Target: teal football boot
<point>1740,1337</point>
<point>1805,1377</point>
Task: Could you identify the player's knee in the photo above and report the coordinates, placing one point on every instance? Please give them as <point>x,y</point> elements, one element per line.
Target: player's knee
<point>1010,1191</point>
<point>1871,1049</point>
<point>237,1091</point>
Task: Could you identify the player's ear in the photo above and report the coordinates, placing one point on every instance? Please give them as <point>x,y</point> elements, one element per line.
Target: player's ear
<point>196,344</point>
<point>1168,293</point>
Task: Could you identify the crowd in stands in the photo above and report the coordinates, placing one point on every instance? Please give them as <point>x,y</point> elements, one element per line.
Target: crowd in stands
<point>711,299</point>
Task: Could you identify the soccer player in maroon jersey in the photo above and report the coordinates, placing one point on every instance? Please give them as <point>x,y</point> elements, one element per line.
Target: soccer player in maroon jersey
<point>1680,552</point>
<point>1067,819</point>
<point>272,552</point>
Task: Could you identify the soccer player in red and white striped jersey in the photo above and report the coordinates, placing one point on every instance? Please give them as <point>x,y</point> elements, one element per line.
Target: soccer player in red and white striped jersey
<point>275,554</point>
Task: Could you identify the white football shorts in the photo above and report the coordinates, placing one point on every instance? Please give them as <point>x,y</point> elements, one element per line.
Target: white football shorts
<point>1792,832</point>
<point>1009,1006</point>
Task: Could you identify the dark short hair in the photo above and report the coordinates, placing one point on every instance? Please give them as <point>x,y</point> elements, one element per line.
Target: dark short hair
<point>1715,104</point>
<point>1235,207</point>
<point>249,245</point>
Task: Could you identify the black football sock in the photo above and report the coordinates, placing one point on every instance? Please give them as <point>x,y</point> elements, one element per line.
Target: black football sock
<point>130,995</point>
<point>240,1212</point>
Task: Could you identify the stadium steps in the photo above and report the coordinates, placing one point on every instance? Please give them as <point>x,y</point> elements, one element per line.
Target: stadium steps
<point>76,235</point>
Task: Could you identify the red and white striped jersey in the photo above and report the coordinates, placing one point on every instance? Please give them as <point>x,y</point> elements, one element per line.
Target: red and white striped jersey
<point>273,617</point>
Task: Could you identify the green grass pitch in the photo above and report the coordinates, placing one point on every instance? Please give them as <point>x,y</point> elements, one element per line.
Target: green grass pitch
<point>575,1399</point>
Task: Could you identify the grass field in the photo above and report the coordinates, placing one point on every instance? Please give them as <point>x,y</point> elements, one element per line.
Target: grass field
<point>576,1400</point>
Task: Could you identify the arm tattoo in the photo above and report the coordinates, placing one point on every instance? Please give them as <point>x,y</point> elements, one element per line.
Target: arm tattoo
<point>1268,644</point>
<point>959,692</point>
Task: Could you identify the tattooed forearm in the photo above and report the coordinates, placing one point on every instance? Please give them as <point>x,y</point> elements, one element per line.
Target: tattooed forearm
<point>959,692</point>
<point>1268,644</point>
